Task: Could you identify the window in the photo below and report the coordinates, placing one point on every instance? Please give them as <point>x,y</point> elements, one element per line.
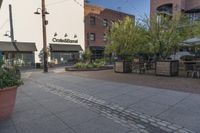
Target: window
<point>92,20</point>
<point>104,37</point>
<point>105,22</point>
<point>92,36</point>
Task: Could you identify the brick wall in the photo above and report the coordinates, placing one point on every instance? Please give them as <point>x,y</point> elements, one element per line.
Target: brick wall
<point>178,5</point>
<point>100,13</point>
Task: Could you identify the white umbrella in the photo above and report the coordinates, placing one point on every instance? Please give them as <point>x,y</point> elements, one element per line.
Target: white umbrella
<point>191,42</point>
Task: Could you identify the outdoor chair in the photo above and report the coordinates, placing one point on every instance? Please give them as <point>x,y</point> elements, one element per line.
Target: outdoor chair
<point>193,70</point>
<point>189,70</point>
<point>197,70</point>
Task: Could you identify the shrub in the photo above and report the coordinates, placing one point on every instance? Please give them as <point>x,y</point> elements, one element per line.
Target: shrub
<point>9,76</point>
<point>95,64</point>
<point>98,63</point>
<point>87,55</point>
<point>81,65</point>
<point>187,58</point>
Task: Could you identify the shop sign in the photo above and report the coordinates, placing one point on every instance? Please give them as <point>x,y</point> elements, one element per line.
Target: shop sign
<point>64,40</point>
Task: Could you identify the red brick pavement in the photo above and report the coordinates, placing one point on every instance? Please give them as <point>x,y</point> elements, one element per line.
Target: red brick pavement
<point>170,83</point>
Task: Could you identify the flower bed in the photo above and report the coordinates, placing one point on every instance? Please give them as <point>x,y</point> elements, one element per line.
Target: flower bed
<point>93,66</point>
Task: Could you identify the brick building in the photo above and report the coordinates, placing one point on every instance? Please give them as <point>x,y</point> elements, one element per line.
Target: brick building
<point>97,22</point>
<point>170,7</point>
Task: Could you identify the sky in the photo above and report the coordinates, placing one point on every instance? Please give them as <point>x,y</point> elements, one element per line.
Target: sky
<point>139,8</point>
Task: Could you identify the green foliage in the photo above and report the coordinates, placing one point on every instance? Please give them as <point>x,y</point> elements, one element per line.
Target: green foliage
<point>187,58</point>
<point>41,54</point>
<point>99,63</point>
<point>126,39</point>
<point>196,28</point>
<point>81,65</point>
<point>9,76</point>
<point>1,63</point>
<point>166,34</point>
<point>87,55</point>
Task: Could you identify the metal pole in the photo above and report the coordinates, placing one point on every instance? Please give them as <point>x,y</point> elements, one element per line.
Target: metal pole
<point>11,29</point>
<point>44,23</point>
<point>12,34</point>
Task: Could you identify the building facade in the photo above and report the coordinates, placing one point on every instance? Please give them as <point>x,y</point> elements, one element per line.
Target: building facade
<point>65,25</point>
<point>72,27</point>
<point>97,21</point>
<point>24,58</point>
<point>171,7</point>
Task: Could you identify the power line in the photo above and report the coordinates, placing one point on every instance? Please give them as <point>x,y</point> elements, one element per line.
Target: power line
<point>2,26</point>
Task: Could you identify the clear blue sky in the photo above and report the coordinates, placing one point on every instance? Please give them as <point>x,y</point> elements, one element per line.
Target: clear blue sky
<point>135,7</point>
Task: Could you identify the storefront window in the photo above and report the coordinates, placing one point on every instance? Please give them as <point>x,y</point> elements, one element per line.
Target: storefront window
<point>64,57</point>
<point>20,59</point>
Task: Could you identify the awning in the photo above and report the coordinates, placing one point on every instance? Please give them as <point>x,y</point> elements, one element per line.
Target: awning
<point>22,46</point>
<point>194,10</point>
<point>97,48</point>
<point>65,48</point>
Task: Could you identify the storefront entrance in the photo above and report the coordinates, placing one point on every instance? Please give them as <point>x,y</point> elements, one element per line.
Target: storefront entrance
<point>25,57</point>
<point>97,52</point>
<point>65,53</point>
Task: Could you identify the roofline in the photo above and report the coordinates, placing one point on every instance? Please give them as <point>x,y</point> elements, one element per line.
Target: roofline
<point>16,42</point>
<point>97,6</point>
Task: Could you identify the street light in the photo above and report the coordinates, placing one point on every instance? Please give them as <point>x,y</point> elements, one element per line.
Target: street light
<point>7,34</point>
<point>43,12</point>
<point>39,10</point>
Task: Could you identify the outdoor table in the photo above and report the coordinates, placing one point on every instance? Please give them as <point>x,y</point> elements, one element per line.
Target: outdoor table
<point>192,68</point>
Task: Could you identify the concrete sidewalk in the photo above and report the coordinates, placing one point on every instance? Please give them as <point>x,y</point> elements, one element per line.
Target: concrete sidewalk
<point>58,103</point>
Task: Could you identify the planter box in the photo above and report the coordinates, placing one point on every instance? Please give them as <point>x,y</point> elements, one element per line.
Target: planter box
<point>167,68</point>
<point>7,101</point>
<point>123,66</point>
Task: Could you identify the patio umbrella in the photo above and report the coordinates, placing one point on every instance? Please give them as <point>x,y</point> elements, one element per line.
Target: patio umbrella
<point>191,42</point>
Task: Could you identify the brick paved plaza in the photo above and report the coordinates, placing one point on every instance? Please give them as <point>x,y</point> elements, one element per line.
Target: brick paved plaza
<point>70,103</point>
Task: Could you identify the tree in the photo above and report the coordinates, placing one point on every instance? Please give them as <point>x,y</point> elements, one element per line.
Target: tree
<point>87,55</point>
<point>41,55</point>
<point>126,39</point>
<point>166,33</point>
<point>196,28</point>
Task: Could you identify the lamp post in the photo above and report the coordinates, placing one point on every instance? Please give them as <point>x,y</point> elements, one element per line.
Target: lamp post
<point>44,23</point>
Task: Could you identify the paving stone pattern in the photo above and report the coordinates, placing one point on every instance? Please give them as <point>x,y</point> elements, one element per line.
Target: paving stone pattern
<point>129,118</point>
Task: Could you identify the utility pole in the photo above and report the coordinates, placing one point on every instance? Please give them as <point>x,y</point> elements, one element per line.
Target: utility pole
<point>12,34</point>
<point>44,23</point>
<point>11,29</point>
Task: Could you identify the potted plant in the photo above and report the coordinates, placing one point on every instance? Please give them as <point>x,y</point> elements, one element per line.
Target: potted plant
<point>10,79</point>
<point>125,40</point>
<point>165,37</point>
